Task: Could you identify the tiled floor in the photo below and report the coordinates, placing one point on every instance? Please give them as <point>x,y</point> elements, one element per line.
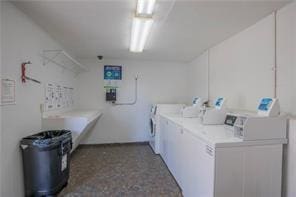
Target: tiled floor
<point>119,170</point>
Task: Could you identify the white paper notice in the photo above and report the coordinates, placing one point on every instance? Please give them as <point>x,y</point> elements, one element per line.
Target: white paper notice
<point>49,97</point>
<point>65,97</point>
<point>59,96</point>
<point>7,92</point>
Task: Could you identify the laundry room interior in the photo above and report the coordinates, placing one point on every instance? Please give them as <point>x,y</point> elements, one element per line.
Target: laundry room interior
<point>148,98</point>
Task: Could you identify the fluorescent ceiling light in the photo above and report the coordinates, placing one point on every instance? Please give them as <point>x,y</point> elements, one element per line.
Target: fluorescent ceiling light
<point>145,7</point>
<point>140,31</point>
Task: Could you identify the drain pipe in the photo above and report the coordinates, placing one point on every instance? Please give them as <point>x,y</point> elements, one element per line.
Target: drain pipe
<point>275,54</point>
<point>208,53</point>
<point>136,94</point>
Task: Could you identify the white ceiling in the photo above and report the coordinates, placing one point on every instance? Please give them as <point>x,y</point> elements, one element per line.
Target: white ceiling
<point>182,29</point>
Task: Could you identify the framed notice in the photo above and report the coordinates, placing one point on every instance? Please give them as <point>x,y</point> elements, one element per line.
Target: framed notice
<point>112,72</point>
<point>7,92</point>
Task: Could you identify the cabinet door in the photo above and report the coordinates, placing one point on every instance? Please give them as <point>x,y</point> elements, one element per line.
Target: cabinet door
<point>254,171</point>
<point>198,167</point>
<point>170,146</point>
<point>205,184</point>
<point>189,165</point>
<point>179,155</point>
<point>173,148</point>
<point>161,136</point>
<point>165,141</point>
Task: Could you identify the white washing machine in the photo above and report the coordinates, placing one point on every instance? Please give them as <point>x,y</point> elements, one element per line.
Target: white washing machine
<point>155,112</point>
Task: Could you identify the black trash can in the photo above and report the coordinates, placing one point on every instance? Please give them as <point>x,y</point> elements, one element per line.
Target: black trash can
<point>46,162</point>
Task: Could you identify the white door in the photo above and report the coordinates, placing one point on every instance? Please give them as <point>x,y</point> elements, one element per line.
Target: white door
<point>198,169</point>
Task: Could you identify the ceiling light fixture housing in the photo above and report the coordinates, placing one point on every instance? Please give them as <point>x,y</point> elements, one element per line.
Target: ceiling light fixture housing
<point>145,7</point>
<point>140,30</point>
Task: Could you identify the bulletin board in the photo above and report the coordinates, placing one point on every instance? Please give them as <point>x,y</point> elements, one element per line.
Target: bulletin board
<point>112,72</point>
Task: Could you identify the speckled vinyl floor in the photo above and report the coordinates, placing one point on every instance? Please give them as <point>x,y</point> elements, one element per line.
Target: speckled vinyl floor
<point>119,170</point>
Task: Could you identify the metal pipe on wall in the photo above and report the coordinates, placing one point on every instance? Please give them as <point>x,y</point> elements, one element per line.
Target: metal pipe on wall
<point>275,54</point>
<point>136,95</point>
<point>208,74</point>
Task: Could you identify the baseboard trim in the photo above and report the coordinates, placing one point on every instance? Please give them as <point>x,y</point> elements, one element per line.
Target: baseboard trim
<point>114,144</point>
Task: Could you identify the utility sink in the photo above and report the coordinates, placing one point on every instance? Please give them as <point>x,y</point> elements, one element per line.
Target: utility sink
<point>78,121</point>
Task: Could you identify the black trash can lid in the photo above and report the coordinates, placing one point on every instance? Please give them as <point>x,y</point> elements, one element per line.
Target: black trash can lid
<point>46,138</point>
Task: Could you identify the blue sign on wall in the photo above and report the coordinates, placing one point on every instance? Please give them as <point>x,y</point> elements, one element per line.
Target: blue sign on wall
<point>112,72</point>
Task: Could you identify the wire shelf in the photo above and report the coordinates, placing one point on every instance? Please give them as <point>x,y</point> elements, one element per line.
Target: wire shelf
<point>62,59</point>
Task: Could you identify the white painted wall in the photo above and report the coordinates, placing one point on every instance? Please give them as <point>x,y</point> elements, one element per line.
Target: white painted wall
<point>286,42</point>
<point>159,82</point>
<point>286,45</point>
<point>199,76</point>
<point>22,40</point>
<point>241,67</point>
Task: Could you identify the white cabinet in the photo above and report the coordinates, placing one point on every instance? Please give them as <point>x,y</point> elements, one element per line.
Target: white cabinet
<point>171,131</point>
<point>171,147</point>
<point>251,171</point>
<point>179,154</point>
<point>175,150</point>
<point>189,159</point>
<point>232,171</point>
<point>164,139</point>
<point>198,170</point>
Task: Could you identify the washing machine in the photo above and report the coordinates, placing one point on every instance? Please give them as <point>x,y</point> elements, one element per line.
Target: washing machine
<point>152,126</point>
<point>154,131</point>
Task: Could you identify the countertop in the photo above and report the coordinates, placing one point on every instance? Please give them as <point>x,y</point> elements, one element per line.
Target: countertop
<point>89,115</point>
<point>215,135</point>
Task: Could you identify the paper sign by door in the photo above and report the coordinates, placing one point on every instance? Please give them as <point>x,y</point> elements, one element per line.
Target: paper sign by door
<point>8,92</point>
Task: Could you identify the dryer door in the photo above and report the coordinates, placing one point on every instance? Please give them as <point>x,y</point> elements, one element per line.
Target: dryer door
<point>152,128</point>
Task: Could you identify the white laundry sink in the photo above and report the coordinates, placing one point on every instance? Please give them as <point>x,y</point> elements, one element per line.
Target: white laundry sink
<point>78,121</point>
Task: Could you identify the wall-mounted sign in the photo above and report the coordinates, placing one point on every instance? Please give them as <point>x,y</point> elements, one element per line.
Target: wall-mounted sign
<point>7,92</point>
<point>112,72</point>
